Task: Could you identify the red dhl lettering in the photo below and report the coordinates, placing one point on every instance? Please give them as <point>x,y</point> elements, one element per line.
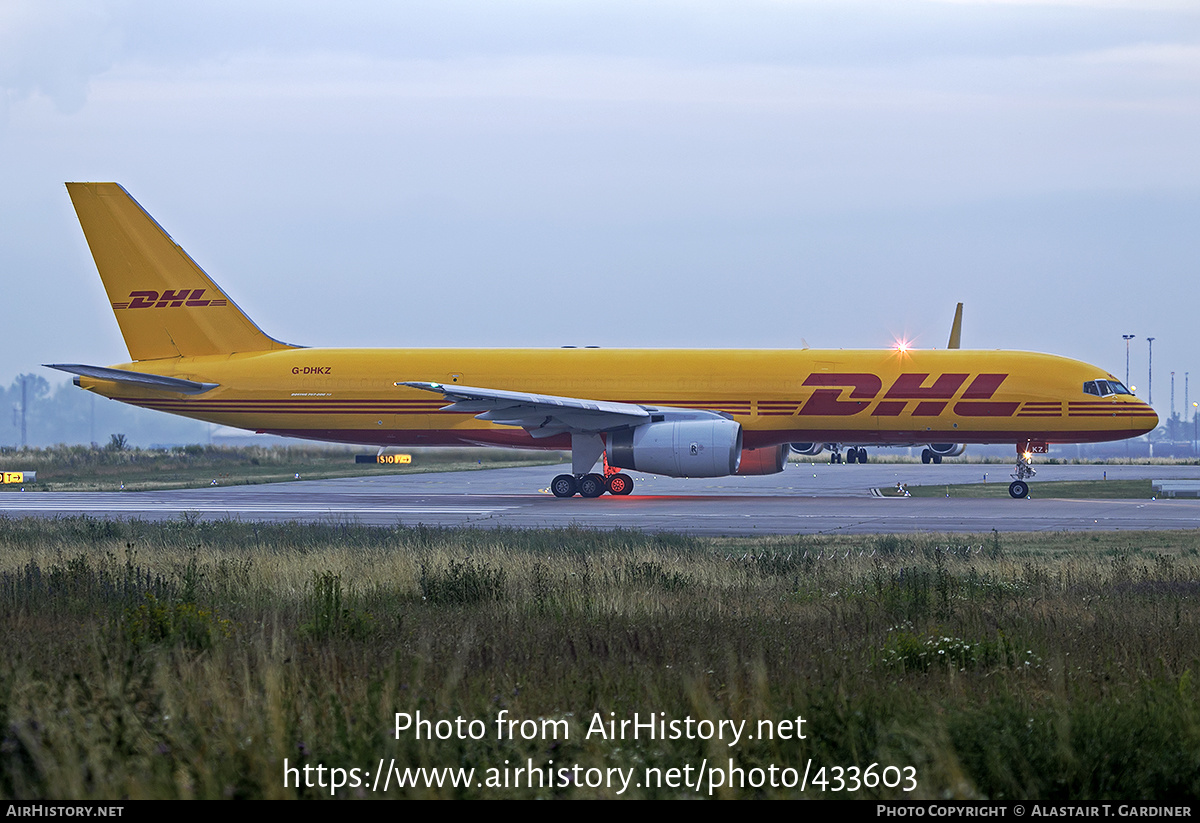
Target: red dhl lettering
<point>910,387</point>
<point>825,401</point>
<point>195,300</point>
<point>934,397</point>
<point>171,298</point>
<point>142,299</point>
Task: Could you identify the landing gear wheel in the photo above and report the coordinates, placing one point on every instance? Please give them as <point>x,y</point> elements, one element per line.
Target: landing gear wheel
<point>937,458</point>
<point>1023,471</point>
<point>620,484</point>
<point>862,455</point>
<point>592,485</point>
<point>926,456</point>
<point>851,455</point>
<point>564,486</point>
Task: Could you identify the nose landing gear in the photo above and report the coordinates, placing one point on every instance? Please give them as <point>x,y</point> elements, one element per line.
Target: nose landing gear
<point>1023,471</point>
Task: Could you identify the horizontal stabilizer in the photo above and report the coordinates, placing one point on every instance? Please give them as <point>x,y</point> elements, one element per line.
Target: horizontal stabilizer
<point>133,378</point>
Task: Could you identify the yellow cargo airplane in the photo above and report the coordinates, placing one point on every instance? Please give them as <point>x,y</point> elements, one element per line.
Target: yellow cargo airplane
<point>675,412</point>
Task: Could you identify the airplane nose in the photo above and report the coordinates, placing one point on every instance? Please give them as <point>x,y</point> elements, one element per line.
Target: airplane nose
<point>1144,420</point>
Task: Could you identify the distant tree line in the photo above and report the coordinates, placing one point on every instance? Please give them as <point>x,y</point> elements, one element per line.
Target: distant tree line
<point>61,413</point>
<point>1177,429</point>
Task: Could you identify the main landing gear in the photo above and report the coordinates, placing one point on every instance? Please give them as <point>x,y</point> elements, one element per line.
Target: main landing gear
<point>591,485</point>
<point>586,449</point>
<point>930,456</point>
<point>854,454</point>
<point>1024,470</point>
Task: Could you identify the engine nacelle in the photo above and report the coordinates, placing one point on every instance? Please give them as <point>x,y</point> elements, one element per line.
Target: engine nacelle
<point>767,460</point>
<point>709,447</point>
<point>807,448</point>
<point>948,449</point>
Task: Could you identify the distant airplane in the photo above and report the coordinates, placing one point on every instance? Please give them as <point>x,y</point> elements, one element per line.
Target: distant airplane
<point>674,412</point>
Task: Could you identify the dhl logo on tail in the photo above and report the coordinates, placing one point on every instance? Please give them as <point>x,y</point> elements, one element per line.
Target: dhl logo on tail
<point>169,298</point>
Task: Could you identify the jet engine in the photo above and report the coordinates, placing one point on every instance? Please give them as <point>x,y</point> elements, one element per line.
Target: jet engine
<point>948,449</point>
<point>710,447</point>
<point>808,448</point>
<point>767,460</point>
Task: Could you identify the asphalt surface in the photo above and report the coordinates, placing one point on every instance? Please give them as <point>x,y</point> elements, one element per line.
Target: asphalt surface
<point>805,498</point>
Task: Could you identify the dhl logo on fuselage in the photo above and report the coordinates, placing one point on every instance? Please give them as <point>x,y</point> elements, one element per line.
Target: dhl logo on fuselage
<point>148,299</point>
<point>931,398</point>
<point>918,396</point>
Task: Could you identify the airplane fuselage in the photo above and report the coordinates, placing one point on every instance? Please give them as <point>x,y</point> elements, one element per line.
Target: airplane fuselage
<point>778,396</point>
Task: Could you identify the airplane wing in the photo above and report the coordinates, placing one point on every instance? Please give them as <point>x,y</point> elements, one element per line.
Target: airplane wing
<point>142,380</point>
<point>956,330</point>
<point>542,415</point>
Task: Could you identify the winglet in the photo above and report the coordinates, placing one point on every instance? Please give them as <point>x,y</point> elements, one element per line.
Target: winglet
<point>956,329</point>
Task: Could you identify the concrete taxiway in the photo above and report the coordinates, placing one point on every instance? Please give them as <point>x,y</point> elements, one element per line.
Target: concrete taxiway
<point>804,499</point>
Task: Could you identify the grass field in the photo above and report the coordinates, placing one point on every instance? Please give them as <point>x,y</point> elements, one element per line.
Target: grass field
<point>191,659</point>
<point>1074,489</point>
<point>90,468</point>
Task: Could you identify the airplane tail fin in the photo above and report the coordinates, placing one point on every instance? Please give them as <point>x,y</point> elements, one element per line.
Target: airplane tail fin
<point>165,304</point>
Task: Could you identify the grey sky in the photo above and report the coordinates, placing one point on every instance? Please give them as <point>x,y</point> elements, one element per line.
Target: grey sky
<point>695,174</point>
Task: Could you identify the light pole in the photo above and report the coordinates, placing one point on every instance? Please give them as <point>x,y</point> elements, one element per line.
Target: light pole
<point>1127,338</point>
<point>24,407</point>
<point>1150,373</point>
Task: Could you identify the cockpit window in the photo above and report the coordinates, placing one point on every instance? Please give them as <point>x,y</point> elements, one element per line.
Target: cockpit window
<point>1104,388</point>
